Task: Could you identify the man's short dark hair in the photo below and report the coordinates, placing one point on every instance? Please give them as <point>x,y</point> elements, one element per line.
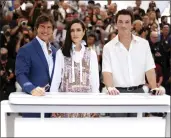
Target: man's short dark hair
<point>91,2</point>
<point>92,35</point>
<point>43,19</point>
<point>125,12</point>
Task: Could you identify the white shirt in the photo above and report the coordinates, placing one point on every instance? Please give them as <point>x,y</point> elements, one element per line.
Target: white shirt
<point>59,66</point>
<point>49,57</point>
<point>127,67</point>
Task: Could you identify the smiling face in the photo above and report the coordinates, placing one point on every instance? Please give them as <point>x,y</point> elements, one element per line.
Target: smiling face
<point>77,33</point>
<point>44,31</point>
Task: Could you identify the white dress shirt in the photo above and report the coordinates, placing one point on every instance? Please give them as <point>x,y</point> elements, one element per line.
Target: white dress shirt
<point>49,57</point>
<point>128,67</point>
<point>59,66</point>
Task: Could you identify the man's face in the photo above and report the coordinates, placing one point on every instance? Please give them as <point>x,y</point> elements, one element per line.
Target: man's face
<point>87,20</point>
<point>165,30</point>
<point>90,40</point>
<point>76,16</point>
<point>138,26</point>
<point>112,8</point>
<point>124,24</point>
<point>90,11</point>
<point>83,8</point>
<point>97,9</point>
<point>69,17</point>
<point>16,4</point>
<point>146,20</point>
<point>44,31</point>
<point>99,23</point>
<point>138,3</point>
<point>154,37</point>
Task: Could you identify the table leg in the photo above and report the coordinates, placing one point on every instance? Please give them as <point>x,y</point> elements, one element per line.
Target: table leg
<point>10,124</point>
<point>3,123</point>
<point>167,127</point>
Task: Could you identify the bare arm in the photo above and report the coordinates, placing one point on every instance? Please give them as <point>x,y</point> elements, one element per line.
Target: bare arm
<point>160,81</point>
<point>14,30</point>
<point>108,80</point>
<point>18,45</point>
<point>32,10</point>
<point>107,73</point>
<point>151,77</point>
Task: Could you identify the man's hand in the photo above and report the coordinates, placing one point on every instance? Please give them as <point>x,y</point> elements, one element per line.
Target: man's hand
<point>112,91</point>
<point>158,91</point>
<point>157,54</point>
<point>38,91</point>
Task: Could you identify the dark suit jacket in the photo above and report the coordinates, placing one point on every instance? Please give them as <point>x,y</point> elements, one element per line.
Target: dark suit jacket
<point>31,66</point>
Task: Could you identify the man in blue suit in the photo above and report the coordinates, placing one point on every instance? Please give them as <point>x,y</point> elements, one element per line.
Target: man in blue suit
<point>35,60</point>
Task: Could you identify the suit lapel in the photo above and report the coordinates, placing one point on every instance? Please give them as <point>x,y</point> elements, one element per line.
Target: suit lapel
<point>54,54</point>
<point>40,52</point>
<point>54,58</point>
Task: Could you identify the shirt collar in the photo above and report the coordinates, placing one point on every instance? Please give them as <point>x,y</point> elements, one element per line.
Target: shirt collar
<point>83,43</point>
<point>134,38</point>
<point>43,44</point>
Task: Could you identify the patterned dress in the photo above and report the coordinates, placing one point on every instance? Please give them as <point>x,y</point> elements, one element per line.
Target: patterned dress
<point>84,87</point>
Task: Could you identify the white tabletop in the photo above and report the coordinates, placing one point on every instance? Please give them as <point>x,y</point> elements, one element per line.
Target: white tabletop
<point>68,98</point>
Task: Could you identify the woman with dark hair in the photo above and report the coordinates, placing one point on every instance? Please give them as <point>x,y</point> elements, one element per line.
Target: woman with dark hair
<point>76,67</point>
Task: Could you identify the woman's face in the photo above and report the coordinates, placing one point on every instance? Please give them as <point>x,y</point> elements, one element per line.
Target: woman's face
<point>77,33</point>
<point>152,15</point>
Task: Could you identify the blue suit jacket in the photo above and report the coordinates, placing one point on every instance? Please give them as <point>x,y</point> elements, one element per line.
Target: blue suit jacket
<point>31,66</point>
<point>32,69</point>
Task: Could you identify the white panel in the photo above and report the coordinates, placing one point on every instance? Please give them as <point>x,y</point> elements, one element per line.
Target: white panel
<point>96,127</point>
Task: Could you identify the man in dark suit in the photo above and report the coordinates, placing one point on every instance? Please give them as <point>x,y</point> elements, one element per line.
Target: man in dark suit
<point>35,61</point>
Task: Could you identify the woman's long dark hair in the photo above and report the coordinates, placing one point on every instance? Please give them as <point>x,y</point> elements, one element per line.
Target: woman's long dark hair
<point>68,42</point>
